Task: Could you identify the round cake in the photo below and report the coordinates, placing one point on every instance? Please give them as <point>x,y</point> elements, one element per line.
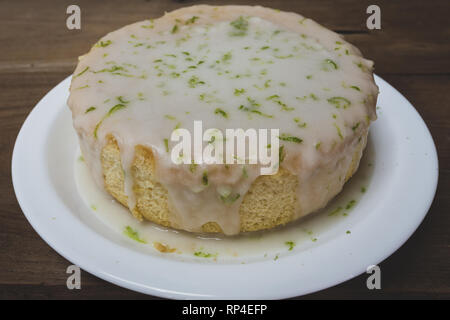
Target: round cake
<point>228,67</point>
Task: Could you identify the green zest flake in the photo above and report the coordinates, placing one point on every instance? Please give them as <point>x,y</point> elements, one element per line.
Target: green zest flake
<point>299,123</point>
<point>265,48</point>
<point>81,158</point>
<point>350,204</point>
<point>284,57</point>
<point>285,137</point>
<point>253,102</point>
<point>205,178</point>
<point>255,111</point>
<point>194,81</point>
<point>166,144</point>
<point>355,126</point>
<point>356,88</point>
<point>93,207</point>
<point>202,254</point>
<point>363,189</point>
<point>133,234</point>
<point>313,96</point>
<point>338,131</point>
<point>317,146</point>
<point>167,116</point>
<point>240,26</point>
<point>281,154</point>
<point>238,92</point>
<point>90,109</point>
<point>227,56</point>
<point>329,64</point>
<point>174,29</point>
<point>117,107</point>
<point>348,232</point>
<point>110,112</point>
<point>290,244</point>
<point>83,87</point>
<point>335,211</point>
<point>193,167</point>
<point>309,77</point>
<point>79,74</point>
<point>244,172</point>
<point>221,112</point>
<point>361,66</point>
<point>122,100</point>
<point>191,20</point>
<point>116,70</point>
<point>103,43</point>
<point>276,98</point>
<point>339,102</point>
<point>230,198</point>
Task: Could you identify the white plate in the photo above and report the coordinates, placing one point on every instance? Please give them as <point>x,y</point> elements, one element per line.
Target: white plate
<point>401,190</point>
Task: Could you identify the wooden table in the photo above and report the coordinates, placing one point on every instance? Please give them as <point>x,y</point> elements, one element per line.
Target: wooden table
<point>411,51</point>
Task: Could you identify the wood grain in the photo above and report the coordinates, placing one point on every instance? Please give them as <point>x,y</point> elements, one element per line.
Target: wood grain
<point>411,51</point>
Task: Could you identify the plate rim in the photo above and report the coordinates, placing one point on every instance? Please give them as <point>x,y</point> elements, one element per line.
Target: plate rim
<point>74,256</point>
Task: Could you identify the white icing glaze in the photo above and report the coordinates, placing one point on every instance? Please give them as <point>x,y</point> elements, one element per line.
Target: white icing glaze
<point>147,78</point>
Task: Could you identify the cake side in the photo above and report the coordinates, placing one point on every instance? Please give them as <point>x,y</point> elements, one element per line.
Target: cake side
<point>231,67</point>
<point>271,200</point>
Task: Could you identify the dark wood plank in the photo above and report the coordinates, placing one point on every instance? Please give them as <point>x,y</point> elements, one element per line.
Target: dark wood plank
<point>413,39</point>
<point>411,52</point>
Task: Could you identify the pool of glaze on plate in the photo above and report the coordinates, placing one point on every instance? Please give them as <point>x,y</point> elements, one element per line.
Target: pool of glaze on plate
<point>271,244</point>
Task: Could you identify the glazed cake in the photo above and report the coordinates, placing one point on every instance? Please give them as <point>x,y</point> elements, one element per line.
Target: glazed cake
<point>230,67</point>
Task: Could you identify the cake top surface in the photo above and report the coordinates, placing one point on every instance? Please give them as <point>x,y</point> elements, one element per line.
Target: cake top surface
<point>230,67</point>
